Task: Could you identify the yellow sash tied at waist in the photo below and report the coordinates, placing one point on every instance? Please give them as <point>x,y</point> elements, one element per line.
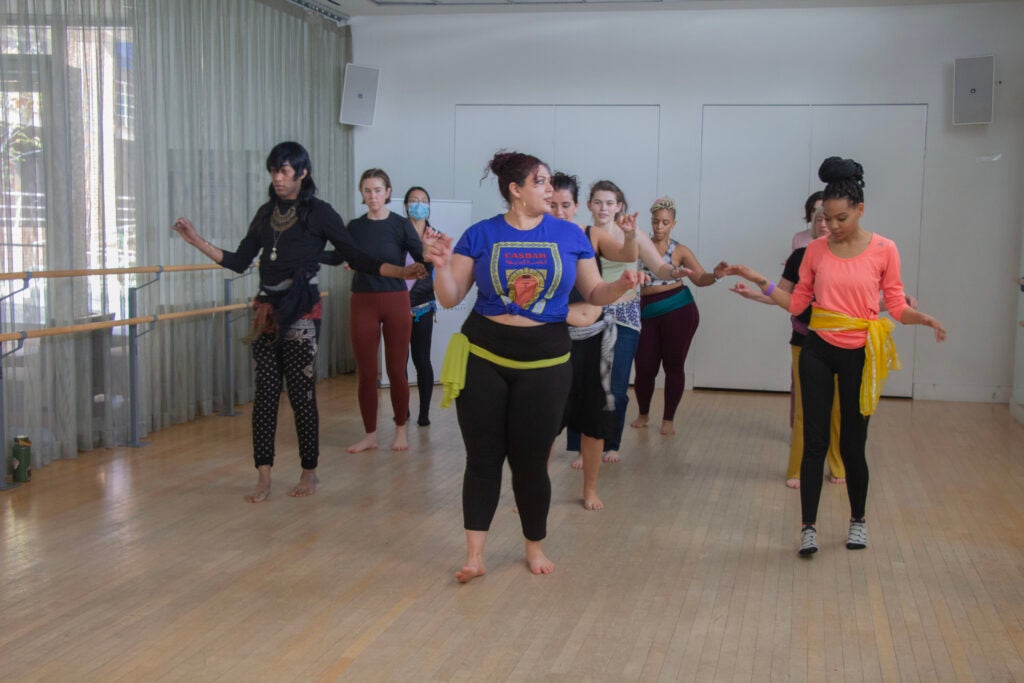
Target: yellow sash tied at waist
<point>453,370</point>
<point>879,351</point>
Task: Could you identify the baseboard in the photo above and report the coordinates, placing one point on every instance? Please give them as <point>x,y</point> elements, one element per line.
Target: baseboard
<point>961,392</point>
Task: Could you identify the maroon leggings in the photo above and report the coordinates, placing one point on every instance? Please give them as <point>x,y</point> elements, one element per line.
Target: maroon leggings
<point>371,312</point>
<point>664,340</point>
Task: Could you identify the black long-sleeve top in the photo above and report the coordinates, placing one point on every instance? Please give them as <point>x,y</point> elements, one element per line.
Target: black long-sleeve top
<point>299,247</point>
<point>388,239</point>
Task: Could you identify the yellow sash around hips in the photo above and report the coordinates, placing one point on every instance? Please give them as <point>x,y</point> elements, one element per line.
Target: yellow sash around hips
<point>453,371</point>
<point>879,352</point>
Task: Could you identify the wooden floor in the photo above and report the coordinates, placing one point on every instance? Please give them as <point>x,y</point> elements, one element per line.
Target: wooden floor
<point>146,565</point>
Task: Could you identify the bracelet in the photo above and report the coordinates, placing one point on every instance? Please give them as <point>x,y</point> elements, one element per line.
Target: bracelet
<point>767,291</point>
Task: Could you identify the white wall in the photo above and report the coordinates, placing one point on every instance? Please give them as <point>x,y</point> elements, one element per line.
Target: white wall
<point>681,60</point>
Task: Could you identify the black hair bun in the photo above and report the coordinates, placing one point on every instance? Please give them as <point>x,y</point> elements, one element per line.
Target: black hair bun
<point>836,169</point>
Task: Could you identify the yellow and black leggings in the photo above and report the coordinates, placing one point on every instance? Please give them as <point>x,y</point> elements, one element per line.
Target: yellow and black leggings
<point>515,413</point>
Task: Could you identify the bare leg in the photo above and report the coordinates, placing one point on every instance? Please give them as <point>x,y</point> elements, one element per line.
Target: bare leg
<point>667,428</point>
<point>307,485</point>
<point>537,560</point>
<point>590,455</point>
<point>474,565</point>
<point>640,422</point>
<point>368,443</point>
<point>262,490</point>
<point>401,442</point>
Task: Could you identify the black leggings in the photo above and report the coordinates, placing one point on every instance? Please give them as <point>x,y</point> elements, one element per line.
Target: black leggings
<point>515,414</point>
<point>420,351</point>
<point>294,360</point>
<point>820,362</point>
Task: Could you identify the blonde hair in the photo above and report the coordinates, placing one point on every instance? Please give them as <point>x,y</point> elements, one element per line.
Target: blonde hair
<point>664,204</point>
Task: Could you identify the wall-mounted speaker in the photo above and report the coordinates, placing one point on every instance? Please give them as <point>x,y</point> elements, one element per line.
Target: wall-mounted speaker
<point>973,90</point>
<point>359,95</point>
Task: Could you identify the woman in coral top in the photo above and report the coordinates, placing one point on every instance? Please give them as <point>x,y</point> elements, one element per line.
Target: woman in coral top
<point>842,276</point>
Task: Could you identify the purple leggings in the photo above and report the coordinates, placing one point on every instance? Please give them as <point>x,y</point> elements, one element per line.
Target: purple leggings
<point>664,341</point>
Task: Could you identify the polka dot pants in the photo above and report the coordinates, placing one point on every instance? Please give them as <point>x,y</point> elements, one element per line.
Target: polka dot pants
<point>292,360</point>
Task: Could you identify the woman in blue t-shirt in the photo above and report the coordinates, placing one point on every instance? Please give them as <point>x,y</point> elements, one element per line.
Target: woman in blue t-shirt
<point>514,376</point>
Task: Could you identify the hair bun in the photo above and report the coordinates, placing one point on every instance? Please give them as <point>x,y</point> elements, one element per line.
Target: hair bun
<point>836,169</point>
<point>663,204</point>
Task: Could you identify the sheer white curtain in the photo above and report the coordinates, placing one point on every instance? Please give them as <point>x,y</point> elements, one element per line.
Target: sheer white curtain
<point>118,116</point>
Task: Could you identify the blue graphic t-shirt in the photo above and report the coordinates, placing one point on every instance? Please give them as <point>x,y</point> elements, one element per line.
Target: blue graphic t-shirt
<point>524,272</point>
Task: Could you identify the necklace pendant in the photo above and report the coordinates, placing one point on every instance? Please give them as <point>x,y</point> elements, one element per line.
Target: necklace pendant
<point>273,254</point>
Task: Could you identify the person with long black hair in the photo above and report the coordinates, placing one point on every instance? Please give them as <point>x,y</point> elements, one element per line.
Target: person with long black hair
<point>842,276</point>
<point>509,370</point>
<point>289,233</point>
<point>422,302</point>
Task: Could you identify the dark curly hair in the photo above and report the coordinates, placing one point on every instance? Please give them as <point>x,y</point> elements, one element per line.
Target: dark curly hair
<point>843,178</point>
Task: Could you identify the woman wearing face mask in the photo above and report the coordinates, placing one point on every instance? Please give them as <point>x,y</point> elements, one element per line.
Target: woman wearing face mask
<point>423,303</point>
<point>670,319</point>
<point>381,304</point>
<point>606,203</point>
<point>843,275</point>
<point>790,276</point>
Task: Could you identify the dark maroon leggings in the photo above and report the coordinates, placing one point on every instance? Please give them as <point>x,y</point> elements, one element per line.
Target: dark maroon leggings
<point>664,340</point>
<point>370,313</point>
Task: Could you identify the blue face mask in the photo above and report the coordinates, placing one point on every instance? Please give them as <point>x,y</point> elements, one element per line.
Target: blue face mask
<point>419,210</point>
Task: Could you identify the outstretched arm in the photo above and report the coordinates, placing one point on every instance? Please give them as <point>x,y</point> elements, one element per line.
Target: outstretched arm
<point>184,227</point>
<point>754,294</point>
<point>777,295</point>
<point>598,292</point>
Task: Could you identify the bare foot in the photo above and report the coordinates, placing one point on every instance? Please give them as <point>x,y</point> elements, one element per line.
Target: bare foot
<point>259,494</point>
<point>640,422</point>
<point>537,560</point>
<point>368,443</point>
<point>836,480</point>
<point>401,443</point>
<point>577,464</point>
<point>472,569</point>
<point>307,485</point>
<point>667,428</point>
<point>591,501</point>
<point>611,456</point>
<point>262,490</point>
<point>793,483</point>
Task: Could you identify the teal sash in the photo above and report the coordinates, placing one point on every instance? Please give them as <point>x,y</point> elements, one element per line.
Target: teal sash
<point>681,298</point>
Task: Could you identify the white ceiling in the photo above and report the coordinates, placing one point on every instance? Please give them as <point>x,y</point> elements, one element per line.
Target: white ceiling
<point>358,8</point>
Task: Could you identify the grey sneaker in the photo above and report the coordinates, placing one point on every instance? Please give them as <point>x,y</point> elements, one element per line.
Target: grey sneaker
<point>808,540</point>
<point>857,539</point>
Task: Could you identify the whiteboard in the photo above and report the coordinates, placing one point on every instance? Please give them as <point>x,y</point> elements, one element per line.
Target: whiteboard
<point>758,164</point>
<point>452,217</point>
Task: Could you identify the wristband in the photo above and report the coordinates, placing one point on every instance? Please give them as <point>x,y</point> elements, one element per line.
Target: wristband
<point>767,291</point>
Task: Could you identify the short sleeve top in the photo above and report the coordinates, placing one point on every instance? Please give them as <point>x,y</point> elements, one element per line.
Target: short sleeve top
<point>524,272</point>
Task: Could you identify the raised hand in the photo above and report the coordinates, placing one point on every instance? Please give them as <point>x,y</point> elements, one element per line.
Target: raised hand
<point>184,227</point>
<point>627,222</point>
<point>438,248</point>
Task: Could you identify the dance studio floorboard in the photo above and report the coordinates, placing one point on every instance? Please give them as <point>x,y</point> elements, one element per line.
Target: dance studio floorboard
<point>147,565</point>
